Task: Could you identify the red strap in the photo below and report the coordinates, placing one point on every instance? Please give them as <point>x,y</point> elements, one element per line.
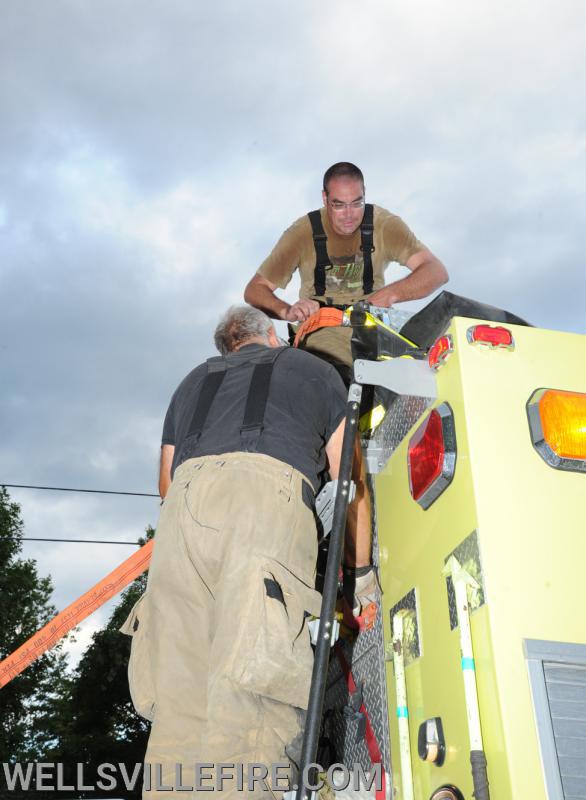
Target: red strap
<point>324,318</point>
<point>71,616</point>
<point>369,736</point>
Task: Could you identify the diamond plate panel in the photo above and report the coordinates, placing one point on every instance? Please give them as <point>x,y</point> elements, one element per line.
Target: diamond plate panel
<point>411,641</point>
<point>341,726</point>
<point>468,555</point>
<point>366,640</point>
<point>403,413</point>
<point>340,732</point>
<point>365,656</point>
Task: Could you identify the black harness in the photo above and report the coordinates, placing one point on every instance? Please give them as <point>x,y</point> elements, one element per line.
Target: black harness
<point>256,400</point>
<point>322,260</point>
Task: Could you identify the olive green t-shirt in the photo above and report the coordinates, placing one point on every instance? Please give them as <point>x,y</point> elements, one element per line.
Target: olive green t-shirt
<point>393,241</point>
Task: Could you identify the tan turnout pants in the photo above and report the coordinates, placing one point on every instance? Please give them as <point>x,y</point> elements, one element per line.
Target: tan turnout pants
<point>332,344</point>
<point>221,654</point>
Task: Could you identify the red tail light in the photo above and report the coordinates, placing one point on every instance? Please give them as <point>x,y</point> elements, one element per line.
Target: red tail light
<point>491,335</point>
<point>439,351</point>
<point>431,456</point>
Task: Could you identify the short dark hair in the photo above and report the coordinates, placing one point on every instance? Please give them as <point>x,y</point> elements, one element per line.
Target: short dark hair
<point>238,325</point>
<point>343,169</point>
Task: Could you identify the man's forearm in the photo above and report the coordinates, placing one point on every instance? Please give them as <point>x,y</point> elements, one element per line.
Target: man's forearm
<point>358,541</point>
<point>425,278</point>
<point>262,297</point>
<point>420,283</point>
<point>167,453</point>
<point>358,544</point>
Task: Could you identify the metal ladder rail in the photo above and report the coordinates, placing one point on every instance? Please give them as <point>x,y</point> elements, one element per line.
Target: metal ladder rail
<point>330,592</point>
<point>404,376</point>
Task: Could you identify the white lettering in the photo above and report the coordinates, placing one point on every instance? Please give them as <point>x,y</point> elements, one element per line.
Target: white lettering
<point>40,769</point>
<point>338,777</point>
<point>222,774</point>
<point>179,787</point>
<point>147,785</point>
<point>159,786</point>
<point>240,777</point>
<point>276,778</point>
<point>129,783</point>
<point>80,784</point>
<point>314,769</point>
<point>109,781</point>
<point>362,780</point>
<point>201,776</point>
<point>61,787</point>
<point>252,778</point>
<point>17,775</point>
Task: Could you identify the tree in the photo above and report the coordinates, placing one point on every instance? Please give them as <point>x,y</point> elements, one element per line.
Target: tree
<point>26,703</point>
<point>52,716</point>
<point>97,723</point>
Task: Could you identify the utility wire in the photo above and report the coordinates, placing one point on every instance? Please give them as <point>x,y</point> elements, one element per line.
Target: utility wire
<point>89,491</point>
<point>64,489</point>
<point>77,541</point>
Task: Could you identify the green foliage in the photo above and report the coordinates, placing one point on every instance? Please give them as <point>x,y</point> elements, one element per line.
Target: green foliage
<point>52,716</point>
<point>26,703</point>
<point>97,721</point>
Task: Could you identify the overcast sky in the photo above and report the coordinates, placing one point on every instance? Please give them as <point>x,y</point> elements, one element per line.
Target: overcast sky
<point>151,153</point>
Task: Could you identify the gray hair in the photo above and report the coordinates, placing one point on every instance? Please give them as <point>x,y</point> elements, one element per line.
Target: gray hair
<point>238,325</point>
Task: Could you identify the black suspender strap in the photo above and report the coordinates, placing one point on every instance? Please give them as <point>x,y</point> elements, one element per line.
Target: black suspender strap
<point>211,384</point>
<point>256,400</point>
<point>256,403</point>
<point>322,260</point>
<point>367,247</point>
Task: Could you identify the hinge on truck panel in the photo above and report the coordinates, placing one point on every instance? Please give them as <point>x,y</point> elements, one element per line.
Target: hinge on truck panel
<point>324,505</point>
<point>400,375</point>
<point>332,631</point>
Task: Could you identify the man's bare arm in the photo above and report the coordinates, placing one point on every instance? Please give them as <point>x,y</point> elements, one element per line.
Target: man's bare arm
<point>427,274</point>
<point>167,453</point>
<point>260,293</point>
<point>357,544</point>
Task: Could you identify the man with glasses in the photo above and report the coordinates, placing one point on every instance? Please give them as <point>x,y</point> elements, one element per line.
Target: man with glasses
<point>341,252</point>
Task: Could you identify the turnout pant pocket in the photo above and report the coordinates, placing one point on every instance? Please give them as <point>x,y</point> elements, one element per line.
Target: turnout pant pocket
<point>275,658</point>
<point>140,678</point>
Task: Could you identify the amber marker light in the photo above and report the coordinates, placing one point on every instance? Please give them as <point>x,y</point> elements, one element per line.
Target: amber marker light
<point>557,421</point>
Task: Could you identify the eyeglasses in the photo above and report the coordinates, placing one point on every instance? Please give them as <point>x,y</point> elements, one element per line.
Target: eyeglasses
<point>338,205</point>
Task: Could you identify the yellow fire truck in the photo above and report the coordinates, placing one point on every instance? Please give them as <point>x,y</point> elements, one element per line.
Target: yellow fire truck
<point>472,682</point>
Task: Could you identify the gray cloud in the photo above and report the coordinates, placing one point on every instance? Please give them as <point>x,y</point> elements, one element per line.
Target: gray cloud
<point>152,152</point>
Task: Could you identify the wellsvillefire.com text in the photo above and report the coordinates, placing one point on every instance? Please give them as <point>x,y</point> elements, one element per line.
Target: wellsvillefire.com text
<point>199,777</point>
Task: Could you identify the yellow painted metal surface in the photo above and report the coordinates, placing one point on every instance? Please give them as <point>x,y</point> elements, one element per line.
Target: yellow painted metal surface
<point>530,527</point>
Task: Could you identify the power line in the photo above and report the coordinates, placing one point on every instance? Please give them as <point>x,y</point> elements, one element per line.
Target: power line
<point>65,489</point>
<point>76,541</point>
